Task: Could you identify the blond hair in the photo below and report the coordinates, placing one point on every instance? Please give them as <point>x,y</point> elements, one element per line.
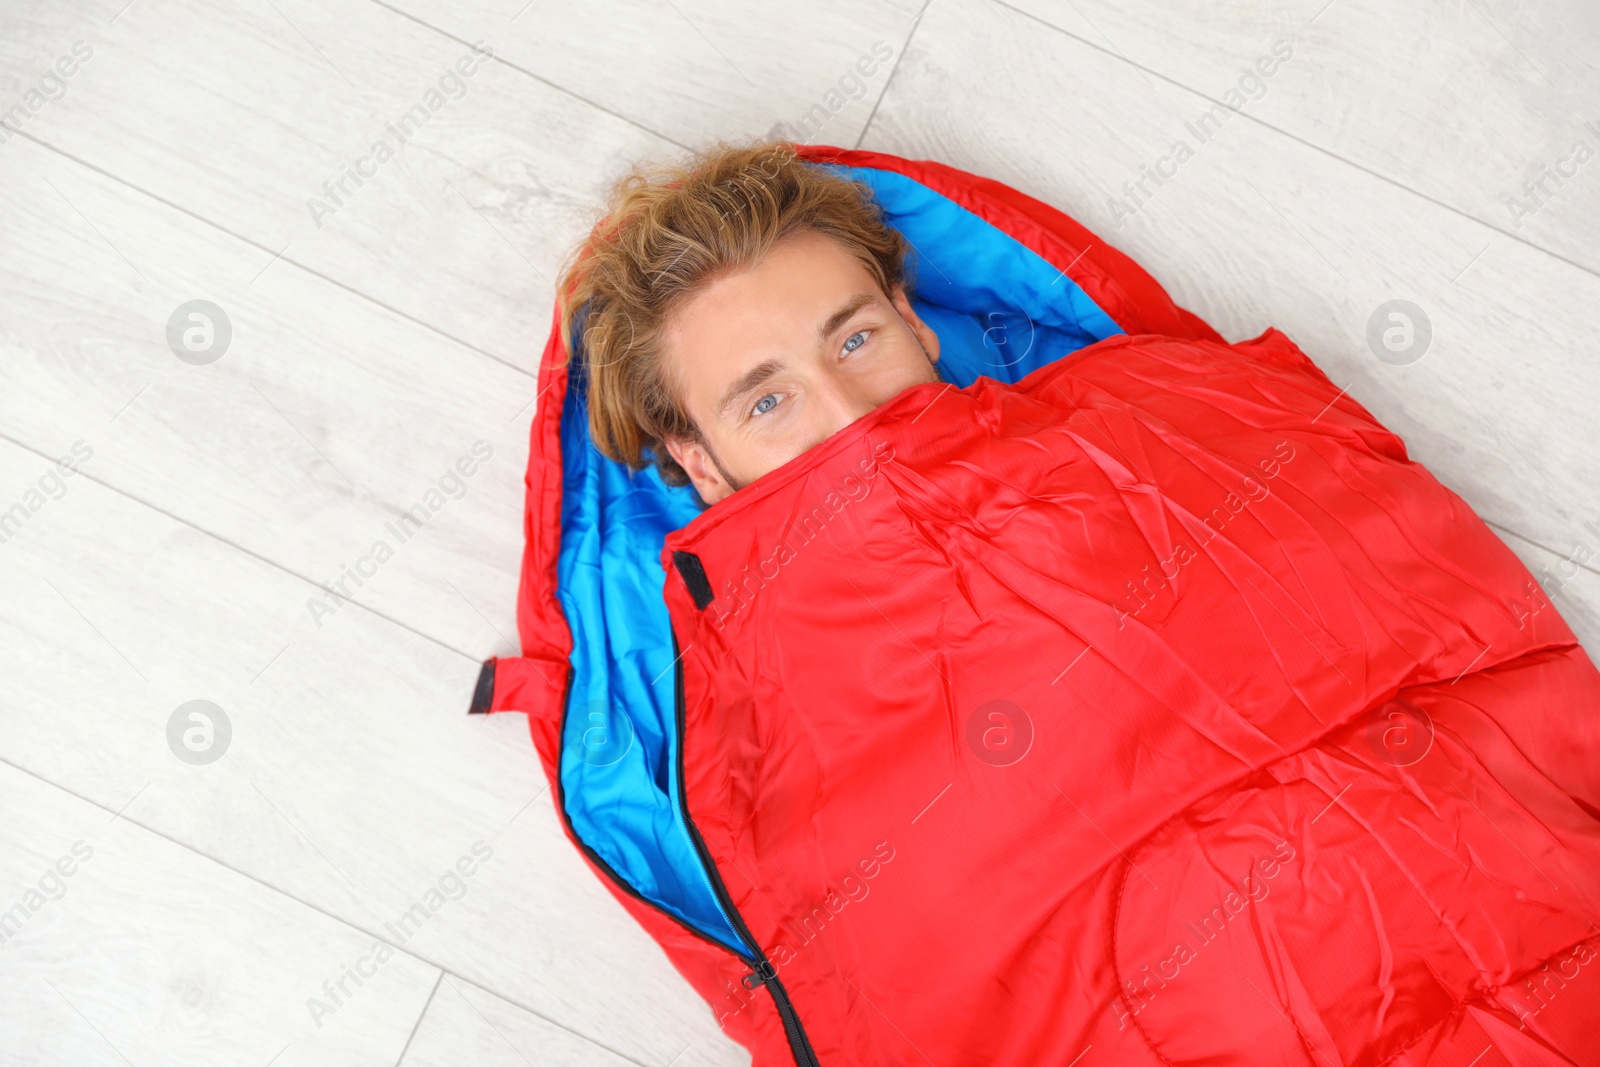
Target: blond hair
<point>668,231</point>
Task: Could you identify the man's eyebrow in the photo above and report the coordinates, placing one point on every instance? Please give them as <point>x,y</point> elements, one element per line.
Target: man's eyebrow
<point>746,382</point>
<point>840,317</point>
<point>753,377</point>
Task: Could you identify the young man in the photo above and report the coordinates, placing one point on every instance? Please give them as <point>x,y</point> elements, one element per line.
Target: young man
<point>741,313</point>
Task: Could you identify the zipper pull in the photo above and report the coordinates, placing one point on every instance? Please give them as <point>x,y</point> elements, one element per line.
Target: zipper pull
<point>764,972</point>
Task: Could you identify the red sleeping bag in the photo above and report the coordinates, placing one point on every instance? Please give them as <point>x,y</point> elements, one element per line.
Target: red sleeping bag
<point>1155,709</point>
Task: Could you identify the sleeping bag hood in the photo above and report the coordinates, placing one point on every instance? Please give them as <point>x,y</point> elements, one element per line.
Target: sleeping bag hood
<point>1124,697</point>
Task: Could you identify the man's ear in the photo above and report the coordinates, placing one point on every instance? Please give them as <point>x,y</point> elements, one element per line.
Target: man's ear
<point>696,462</point>
<point>923,332</point>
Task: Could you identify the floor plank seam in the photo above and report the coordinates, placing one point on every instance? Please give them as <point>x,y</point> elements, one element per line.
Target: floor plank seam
<point>1319,149</point>
<point>507,1040</point>
<point>905,46</point>
<point>421,1015</point>
<point>281,568</point>
<point>318,909</point>
<point>1501,527</point>
<point>279,257</point>
<point>635,123</point>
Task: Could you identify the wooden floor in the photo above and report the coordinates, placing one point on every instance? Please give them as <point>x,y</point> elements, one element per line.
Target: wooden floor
<point>381,332</point>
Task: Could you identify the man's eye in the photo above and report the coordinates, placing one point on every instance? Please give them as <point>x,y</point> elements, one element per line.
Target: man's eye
<point>848,347</point>
<point>759,410</point>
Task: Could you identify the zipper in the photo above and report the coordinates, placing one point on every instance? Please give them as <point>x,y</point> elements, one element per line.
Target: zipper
<point>762,972</point>
<point>600,861</point>
<point>761,968</point>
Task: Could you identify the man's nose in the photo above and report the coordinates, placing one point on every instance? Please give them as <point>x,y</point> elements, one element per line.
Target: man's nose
<point>843,401</point>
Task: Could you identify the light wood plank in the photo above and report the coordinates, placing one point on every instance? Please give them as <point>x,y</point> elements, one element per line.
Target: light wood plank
<point>697,70</point>
<point>141,951</point>
<point>1258,230</point>
<point>1463,102</point>
<point>464,1024</point>
<point>239,112</point>
<point>353,780</point>
<point>325,421</point>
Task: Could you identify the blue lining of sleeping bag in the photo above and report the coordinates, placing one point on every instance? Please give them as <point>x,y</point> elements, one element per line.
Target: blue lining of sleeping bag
<point>999,310</point>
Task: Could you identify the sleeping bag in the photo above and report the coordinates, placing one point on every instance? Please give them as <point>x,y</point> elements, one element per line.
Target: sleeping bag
<point>1124,697</point>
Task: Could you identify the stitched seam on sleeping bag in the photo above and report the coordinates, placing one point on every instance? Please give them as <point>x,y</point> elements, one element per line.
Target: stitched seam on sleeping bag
<point>1116,914</point>
<point>1230,787</point>
<point>1483,997</point>
<point>1446,1017</point>
<point>1233,783</point>
<point>1116,970</point>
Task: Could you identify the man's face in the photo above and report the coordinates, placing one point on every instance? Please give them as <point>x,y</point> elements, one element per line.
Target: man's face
<point>781,357</point>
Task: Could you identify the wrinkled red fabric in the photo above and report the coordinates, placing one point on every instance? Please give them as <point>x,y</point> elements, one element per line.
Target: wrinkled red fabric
<point>1157,709</point>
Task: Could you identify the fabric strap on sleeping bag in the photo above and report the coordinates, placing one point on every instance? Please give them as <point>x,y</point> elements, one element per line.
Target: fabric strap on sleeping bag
<point>1158,703</point>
